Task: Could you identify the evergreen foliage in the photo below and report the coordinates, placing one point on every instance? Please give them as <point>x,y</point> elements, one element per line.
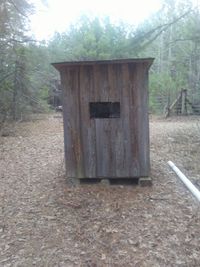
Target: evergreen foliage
<point>172,36</point>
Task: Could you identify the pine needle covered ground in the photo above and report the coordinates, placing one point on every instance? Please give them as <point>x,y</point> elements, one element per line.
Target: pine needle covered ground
<point>44,222</point>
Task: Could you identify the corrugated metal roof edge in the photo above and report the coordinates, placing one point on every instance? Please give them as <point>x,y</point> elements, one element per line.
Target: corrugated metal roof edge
<point>57,65</point>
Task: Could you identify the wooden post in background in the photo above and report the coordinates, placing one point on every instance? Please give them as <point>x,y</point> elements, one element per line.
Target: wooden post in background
<point>183,102</point>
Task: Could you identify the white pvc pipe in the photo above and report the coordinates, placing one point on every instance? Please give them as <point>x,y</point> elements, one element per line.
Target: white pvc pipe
<point>185,180</point>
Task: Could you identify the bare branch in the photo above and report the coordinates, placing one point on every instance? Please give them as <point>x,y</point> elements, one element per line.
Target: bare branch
<point>18,10</point>
<point>185,40</point>
<point>157,31</point>
<point>27,40</point>
<point>6,76</point>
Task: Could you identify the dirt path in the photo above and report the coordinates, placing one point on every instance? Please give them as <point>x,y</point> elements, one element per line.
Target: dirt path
<point>43,222</point>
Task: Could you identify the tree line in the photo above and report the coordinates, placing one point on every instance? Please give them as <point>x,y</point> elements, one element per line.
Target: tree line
<point>172,36</point>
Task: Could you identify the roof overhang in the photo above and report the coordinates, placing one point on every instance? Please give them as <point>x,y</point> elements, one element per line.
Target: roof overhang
<point>60,65</point>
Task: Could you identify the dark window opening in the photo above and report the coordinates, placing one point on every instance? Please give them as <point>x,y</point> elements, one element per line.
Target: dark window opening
<point>102,110</point>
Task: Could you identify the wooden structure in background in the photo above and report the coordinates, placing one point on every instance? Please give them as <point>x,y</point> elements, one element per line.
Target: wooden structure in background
<point>181,104</point>
<point>106,126</point>
<point>55,93</point>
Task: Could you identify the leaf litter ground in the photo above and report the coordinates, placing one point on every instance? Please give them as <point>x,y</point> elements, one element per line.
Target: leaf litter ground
<point>44,222</point>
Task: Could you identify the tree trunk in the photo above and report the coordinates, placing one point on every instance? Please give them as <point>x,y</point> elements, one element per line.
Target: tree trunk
<point>14,100</point>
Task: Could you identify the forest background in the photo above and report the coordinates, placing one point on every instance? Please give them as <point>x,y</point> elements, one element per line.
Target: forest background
<point>27,79</point>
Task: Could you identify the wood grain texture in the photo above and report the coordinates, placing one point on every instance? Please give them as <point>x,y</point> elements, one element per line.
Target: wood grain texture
<point>106,147</point>
<point>88,135</point>
<point>72,125</point>
<point>102,125</point>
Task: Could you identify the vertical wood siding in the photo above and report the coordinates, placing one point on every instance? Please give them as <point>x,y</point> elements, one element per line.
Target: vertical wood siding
<point>109,147</point>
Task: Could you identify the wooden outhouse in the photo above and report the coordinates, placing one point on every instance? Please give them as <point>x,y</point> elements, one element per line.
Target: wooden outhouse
<point>106,125</point>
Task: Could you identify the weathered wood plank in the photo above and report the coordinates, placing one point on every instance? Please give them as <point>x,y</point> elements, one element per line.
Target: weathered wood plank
<point>106,147</point>
<point>139,125</point>
<point>87,125</point>
<point>102,125</point>
<point>120,150</point>
<point>72,139</point>
<point>144,156</point>
<point>125,100</point>
<point>115,85</point>
<point>134,118</point>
